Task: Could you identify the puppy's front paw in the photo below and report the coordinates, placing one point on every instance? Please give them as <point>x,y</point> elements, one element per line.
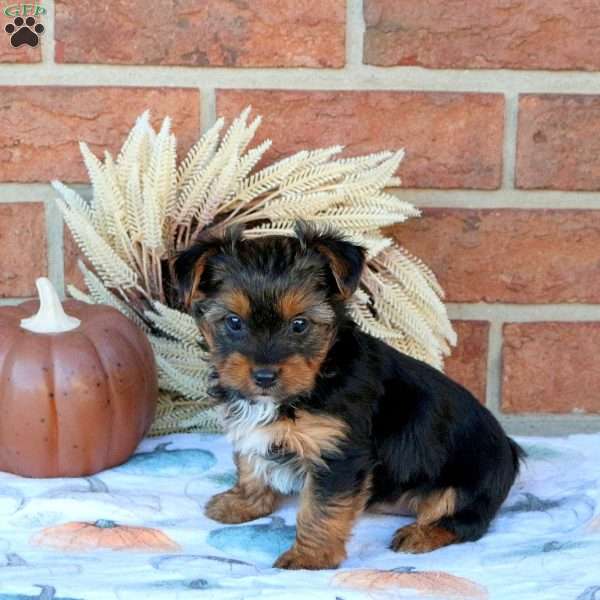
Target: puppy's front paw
<point>227,507</point>
<point>297,559</point>
<point>232,507</point>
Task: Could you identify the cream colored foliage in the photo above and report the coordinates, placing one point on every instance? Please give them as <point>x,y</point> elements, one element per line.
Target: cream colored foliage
<point>146,208</point>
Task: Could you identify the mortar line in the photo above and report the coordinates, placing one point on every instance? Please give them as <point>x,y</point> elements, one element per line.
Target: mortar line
<point>493,389</point>
<point>424,198</point>
<point>511,110</point>
<point>55,230</point>
<point>523,313</point>
<point>208,108</point>
<point>355,77</point>
<point>12,301</point>
<point>355,28</point>
<point>48,43</point>
<point>501,199</point>
<point>550,425</point>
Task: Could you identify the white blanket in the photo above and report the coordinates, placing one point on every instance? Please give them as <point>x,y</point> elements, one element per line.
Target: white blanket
<point>138,531</point>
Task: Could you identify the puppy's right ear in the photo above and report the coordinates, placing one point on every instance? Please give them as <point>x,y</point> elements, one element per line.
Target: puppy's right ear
<point>191,266</point>
<point>190,269</point>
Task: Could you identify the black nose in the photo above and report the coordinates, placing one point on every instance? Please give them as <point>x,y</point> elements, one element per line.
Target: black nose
<point>265,378</point>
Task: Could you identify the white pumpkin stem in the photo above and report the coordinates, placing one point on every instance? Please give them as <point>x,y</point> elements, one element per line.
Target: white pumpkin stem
<point>50,318</point>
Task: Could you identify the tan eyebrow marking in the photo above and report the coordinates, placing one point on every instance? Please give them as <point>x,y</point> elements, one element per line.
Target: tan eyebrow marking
<point>238,302</point>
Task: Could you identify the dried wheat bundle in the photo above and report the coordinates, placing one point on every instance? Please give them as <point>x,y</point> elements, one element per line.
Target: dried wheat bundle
<point>146,207</point>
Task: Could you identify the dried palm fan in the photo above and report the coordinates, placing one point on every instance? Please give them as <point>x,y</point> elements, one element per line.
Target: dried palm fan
<point>146,207</point>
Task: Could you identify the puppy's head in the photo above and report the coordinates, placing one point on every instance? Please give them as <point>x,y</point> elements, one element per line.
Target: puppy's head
<point>269,307</point>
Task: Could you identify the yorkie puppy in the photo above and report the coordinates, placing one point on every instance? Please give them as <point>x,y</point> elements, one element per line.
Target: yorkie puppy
<point>314,405</point>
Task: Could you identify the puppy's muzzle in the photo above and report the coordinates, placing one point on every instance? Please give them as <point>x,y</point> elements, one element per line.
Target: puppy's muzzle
<point>265,377</point>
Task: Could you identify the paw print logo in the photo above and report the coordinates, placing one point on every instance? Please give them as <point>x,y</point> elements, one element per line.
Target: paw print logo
<point>24,32</point>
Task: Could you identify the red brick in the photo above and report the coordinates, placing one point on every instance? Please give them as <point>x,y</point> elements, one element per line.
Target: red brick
<point>212,33</point>
<point>23,248</point>
<point>558,145</point>
<point>452,140</point>
<point>522,256</point>
<point>41,127</point>
<point>551,367</point>
<point>509,34</point>
<point>468,362</point>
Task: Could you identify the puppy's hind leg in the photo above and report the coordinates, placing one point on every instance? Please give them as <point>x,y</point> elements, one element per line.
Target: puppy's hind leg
<point>249,499</point>
<point>443,519</point>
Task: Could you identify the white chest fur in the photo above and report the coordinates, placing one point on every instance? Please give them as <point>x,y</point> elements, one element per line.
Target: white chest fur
<point>246,427</point>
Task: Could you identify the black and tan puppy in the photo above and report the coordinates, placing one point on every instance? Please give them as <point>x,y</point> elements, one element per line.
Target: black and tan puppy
<point>316,406</point>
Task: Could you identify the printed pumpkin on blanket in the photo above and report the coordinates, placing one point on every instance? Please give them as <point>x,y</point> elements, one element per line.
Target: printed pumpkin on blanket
<point>436,584</point>
<point>79,537</point>
<point>78,391</point>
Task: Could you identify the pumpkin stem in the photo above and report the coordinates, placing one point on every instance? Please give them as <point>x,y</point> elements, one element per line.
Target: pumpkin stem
<point>277,523</point>
<point>51,317</point>
<point>162,447</point>
<point>105,524</point>
<point>47,592</point>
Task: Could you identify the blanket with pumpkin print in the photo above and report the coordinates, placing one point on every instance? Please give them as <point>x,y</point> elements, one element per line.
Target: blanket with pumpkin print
<point>137,531</point>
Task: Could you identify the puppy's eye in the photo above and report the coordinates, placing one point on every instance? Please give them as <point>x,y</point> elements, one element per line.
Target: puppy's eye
<point>299,325</point>
<point>233,323</point>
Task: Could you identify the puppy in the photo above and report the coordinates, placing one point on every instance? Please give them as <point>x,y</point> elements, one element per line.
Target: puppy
<point>315,406</point>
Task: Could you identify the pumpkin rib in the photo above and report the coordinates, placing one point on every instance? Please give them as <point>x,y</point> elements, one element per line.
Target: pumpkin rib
<point>20,339</point>
<point>146,358</point>
<point>126,537</point>
<point>92,351</point>
<point>156,538</point>
<point>11,350</point>
<point>141,360</point>
<point>71,542</point>
<point>150,409</point>
<point>109,390</point>
<point>53,408</point>
<point>66,542</point>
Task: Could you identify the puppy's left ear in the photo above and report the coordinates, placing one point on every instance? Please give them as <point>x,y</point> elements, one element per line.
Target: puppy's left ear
<point>344,259</point>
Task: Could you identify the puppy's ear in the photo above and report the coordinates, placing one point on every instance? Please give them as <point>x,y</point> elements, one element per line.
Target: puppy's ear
<point>190,265</point>
<point>344,259</point>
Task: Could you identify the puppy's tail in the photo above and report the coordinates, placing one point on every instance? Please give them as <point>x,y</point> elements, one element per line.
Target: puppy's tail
<point>518,454</point>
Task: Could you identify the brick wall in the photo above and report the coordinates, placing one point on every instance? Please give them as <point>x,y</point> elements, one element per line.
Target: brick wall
<point>497,104</point>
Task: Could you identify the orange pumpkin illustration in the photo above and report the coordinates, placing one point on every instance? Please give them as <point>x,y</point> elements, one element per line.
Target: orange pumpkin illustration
<point>104,534</point>
<point>426,583</point>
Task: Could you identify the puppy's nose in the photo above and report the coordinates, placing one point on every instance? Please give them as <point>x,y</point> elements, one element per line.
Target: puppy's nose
<point>265,378</point>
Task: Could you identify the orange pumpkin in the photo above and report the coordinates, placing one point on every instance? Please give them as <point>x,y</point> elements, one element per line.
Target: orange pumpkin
<point>426,583</point>
<point>77,393</point>
<point>77,537</point>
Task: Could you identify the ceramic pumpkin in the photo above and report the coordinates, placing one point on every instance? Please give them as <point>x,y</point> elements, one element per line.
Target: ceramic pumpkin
<point>77,536</point>
<point>78,391</point>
